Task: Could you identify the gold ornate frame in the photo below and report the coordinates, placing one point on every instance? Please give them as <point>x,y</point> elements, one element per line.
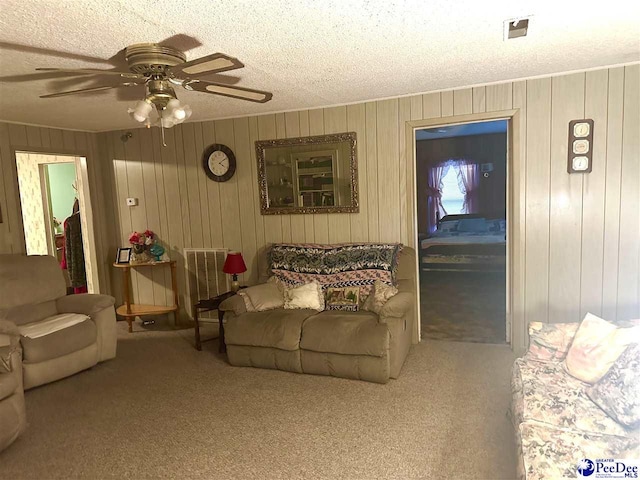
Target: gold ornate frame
<point>262,145</point>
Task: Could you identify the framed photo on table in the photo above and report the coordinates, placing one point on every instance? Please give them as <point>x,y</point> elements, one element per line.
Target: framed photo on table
<point>123,255</point>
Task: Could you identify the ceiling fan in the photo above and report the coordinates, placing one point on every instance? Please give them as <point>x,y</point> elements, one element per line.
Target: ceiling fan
<point>159,68</point>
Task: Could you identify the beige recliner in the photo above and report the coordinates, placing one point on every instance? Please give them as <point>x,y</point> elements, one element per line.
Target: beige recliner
<point>12,414</point>
<point>32,291</point>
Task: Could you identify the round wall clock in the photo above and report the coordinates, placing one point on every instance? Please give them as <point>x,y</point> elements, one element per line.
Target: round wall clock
<point>219,162</point>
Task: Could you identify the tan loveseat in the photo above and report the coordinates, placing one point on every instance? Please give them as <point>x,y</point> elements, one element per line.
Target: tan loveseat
<point>359,345</point>
<point>32,290</point>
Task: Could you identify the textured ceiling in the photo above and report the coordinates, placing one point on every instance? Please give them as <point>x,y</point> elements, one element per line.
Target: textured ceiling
<point>308,53</point>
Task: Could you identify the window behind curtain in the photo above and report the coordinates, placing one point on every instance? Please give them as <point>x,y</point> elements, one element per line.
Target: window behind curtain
<point>452,197</point>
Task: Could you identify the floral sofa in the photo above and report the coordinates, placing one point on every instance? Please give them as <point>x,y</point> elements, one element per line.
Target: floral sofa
<point>361,344</point>
<point>556,421</point>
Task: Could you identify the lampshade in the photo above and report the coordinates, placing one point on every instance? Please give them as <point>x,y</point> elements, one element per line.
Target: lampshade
<point>234,263</point>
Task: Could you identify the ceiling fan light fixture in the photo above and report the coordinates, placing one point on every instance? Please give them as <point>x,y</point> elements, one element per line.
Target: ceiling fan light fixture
<point>174,113</point>
<point>141,111</point>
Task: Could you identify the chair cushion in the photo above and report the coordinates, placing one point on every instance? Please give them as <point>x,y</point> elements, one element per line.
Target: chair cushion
<point>278,328</point>
<point>349,333</point>
<point>29,313</point>
<point>59,343</point>
<point>29,279</point>
<point>51,325</point>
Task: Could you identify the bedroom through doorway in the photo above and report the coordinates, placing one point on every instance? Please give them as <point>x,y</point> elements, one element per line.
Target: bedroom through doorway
<point>461,199</point>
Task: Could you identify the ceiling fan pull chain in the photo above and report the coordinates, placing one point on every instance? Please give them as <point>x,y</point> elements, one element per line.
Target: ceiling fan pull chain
<point>164,144</point>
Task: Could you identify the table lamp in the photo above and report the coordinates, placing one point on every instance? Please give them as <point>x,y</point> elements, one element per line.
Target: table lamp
<point>234,264</point>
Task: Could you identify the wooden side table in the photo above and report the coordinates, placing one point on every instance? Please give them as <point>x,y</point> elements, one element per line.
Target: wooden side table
<point>132,310</point>
<point>207,306</point>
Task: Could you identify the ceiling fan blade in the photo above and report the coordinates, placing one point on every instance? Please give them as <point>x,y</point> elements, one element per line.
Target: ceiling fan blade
<point>228,91</point>
<point>92,71</point>
<point>214,63</point>
<point>86,90</point>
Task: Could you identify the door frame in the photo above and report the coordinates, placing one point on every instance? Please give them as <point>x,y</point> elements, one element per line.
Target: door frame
<point>84,199</point>
<point>515,213</point>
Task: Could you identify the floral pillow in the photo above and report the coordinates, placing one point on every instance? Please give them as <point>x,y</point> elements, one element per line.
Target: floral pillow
<point>618,392</point>
<point>596,346</point>
<point>379,296</point>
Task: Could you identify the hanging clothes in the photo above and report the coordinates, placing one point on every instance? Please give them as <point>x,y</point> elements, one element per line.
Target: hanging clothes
<point>73,251</point>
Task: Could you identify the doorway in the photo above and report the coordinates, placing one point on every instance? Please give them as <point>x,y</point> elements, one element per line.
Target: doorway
<point>57,214</point>
<point>461,206</point>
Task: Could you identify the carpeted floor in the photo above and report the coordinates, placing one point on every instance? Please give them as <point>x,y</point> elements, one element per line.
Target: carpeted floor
<point>163,410</point>
<point>463,306</point>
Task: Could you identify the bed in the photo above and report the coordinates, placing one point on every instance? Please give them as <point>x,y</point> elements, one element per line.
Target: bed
<point>471,242</point>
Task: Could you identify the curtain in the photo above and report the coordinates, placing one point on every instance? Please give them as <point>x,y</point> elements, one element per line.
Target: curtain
<point>468,182</point>
<point>434,192</point>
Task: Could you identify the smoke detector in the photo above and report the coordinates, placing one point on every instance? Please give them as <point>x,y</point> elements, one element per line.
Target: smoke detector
<point>516,27</point>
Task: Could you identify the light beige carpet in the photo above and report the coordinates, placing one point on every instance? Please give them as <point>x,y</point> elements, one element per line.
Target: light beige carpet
<point>163,410</point>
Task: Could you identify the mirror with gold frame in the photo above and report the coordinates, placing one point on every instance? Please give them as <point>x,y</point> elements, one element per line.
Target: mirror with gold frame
<point>308,174</point>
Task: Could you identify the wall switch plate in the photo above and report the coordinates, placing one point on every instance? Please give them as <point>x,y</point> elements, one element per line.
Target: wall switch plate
<point>132,202</point>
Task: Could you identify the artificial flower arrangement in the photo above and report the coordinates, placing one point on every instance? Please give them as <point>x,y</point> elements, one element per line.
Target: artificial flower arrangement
<point>145,238</point>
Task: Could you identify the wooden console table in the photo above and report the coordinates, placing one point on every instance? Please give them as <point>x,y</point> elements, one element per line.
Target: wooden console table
<point>131,310</point>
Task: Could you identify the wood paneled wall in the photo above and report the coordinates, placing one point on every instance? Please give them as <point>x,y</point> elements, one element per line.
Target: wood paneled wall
<point>582,232</point>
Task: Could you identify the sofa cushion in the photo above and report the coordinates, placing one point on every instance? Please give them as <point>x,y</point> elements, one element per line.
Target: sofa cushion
<point>59,343</point>
<point>545,392</point>
<point>549,452</point>
<point>618,392</point>
<point>348,333</point>
<point>272,328</point>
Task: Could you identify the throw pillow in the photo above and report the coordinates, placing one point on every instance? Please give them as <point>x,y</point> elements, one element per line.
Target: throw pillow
<point>262,297</point>
<point>380,295</point>
<point>596,346</point>
<point>308,295</point>
<point>346,299</point>
<point>618,392</point>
